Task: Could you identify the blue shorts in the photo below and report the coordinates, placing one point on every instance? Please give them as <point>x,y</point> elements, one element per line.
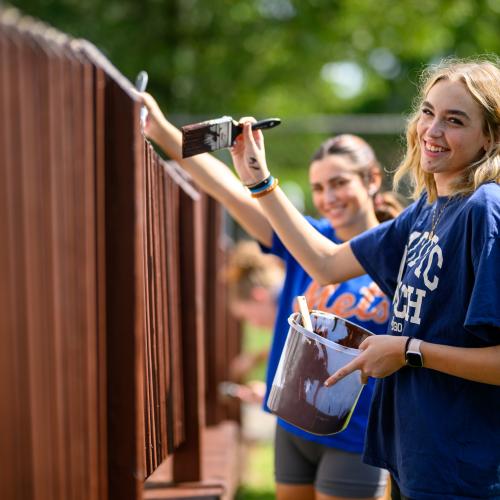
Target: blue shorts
<point>332,471</point>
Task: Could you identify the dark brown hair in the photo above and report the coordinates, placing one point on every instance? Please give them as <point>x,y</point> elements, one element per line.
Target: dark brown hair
<point>356,149</point>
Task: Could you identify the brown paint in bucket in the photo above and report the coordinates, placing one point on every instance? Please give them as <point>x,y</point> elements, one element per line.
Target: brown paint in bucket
<point>308,359</point>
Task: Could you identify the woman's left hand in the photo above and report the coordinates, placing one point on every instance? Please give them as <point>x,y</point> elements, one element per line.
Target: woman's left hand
<point>381,356</point>
<point>248,153</point>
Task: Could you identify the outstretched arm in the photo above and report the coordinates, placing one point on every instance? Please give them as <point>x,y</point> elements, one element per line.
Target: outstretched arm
<point>325,261</point>
<point>212,175</point>
<point>384,354</point>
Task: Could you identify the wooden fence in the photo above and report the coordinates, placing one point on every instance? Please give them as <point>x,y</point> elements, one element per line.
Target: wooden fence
<point>113,321</point>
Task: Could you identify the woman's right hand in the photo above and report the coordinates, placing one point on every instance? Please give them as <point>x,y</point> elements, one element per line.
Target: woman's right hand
<point>249,156</point>
<point>381,356</point>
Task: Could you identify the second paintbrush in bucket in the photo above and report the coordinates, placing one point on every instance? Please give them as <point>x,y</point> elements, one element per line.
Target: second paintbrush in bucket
<point>213,135</point>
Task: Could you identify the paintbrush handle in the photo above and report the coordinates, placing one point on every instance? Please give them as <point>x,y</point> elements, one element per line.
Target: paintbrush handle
<point>267,123</point>
<point>304,311</point>
<point>141,82</point>
<point>260,125</point>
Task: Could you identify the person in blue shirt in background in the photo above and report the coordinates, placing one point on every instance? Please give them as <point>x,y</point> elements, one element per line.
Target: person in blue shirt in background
<point>344,176</point>
<point>435,416</point>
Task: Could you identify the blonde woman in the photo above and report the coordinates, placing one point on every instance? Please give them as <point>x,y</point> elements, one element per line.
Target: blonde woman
<point>434,421</point>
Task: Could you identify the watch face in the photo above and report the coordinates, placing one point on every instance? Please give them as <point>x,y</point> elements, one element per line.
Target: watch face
<point>414,359</point>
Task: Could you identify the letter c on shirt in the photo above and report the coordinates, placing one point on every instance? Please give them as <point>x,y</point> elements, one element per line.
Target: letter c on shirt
<point>432,284</point>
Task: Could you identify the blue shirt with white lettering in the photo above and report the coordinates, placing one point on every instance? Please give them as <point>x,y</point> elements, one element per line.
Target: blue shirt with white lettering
<point>359,300</point>
<point>439,435</point>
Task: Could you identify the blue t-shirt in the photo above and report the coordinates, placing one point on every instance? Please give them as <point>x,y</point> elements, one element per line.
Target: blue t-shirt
<point>359,300</point>
<point>439,435</point>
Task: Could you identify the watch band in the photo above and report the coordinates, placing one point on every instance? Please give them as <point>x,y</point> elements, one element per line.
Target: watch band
<point>413,356</point>
<point>414,345</point>
<point>408,340</point>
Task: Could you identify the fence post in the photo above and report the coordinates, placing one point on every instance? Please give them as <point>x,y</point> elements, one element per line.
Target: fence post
<point>124,307</point>
<point>187,458</point>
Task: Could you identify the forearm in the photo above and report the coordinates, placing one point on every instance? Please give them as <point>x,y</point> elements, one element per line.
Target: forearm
<point>216,179</point>
<point>480,364</point>
<point>324,260</point>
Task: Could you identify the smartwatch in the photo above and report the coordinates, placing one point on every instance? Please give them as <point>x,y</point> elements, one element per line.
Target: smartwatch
<point>413,356</point>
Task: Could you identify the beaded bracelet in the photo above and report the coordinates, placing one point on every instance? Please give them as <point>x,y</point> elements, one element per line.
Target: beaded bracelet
<point>262,185</point>
<point>272,187</point>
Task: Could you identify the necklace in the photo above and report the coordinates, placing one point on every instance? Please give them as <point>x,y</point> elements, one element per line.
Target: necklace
<point>436,217</point>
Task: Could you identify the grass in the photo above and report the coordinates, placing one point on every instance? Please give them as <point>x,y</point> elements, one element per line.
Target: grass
<point>257,478</point>
<point>255,340</point>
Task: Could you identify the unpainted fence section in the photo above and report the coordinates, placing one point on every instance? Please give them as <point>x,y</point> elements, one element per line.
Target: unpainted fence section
<point>113,319</point>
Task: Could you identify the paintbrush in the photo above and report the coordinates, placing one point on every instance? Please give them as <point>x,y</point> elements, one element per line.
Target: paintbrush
<point>304,311</point>
<point>141,82</point>
<point>213,135</point>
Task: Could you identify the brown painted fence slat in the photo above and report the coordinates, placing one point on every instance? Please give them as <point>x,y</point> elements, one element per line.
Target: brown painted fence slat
<point>113,319</point>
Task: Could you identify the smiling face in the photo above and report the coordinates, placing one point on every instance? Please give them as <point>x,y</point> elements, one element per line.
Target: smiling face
<point>340,194</point>
<point>450,132</point>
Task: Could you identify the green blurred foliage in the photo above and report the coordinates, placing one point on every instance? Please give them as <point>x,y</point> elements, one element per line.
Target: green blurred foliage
<point>256,340</point>
<point>266,56</point>
<point>279,57</point>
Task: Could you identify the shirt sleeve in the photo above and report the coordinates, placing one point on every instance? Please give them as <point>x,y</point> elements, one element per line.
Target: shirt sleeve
<point>277,248</point>
<point>483,313</point>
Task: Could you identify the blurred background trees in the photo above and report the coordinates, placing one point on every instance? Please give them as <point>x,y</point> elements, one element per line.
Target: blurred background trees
<point>310,62</point>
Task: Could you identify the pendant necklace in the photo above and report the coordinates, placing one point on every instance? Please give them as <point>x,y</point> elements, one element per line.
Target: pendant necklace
<point>436,217</point>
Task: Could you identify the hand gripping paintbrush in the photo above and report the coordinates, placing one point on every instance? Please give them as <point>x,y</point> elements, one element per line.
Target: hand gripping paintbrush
<point>213,135</point>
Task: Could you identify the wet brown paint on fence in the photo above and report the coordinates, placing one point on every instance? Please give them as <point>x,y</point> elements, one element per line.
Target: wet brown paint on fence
<point>114,326</point>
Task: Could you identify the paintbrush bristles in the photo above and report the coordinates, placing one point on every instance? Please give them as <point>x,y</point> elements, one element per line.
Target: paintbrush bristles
<point>207,136</point>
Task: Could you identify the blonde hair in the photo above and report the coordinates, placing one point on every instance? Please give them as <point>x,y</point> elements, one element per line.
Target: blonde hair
<point>248,268</point>
<point>482,79</point>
